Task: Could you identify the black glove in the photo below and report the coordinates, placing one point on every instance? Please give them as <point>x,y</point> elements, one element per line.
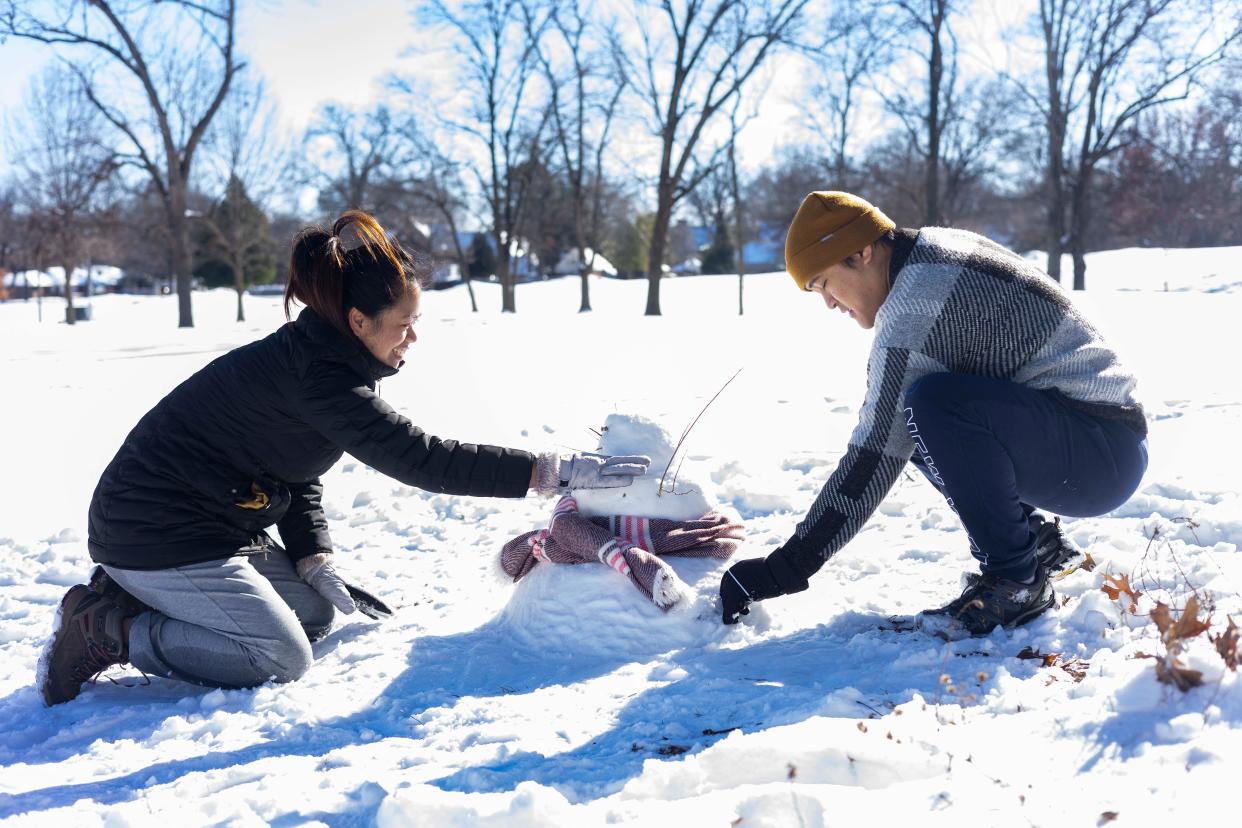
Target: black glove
<point>757,579</point>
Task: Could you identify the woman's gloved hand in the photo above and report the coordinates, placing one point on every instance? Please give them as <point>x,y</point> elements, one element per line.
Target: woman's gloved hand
<point>317,571</point>
<point>585,470</point>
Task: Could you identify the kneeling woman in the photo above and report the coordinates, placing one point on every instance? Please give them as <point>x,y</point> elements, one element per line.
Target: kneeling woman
<point>191,586</point>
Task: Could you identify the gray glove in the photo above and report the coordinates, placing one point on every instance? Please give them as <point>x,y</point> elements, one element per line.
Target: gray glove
<point>586,470</point>
<point>317,571</point>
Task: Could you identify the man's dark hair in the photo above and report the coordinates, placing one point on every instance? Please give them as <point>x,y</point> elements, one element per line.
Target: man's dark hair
<point>888,240</point>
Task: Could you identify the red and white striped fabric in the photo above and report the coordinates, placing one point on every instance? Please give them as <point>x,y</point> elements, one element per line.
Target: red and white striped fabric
<point>629,544</point>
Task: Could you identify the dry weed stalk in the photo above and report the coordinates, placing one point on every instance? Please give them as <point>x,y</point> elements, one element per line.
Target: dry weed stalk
<point>661,490</point>
<point>1176,627</point>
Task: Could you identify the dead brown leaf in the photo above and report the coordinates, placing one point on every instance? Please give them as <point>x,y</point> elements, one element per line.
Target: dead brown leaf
<point>1171,671</point>
<point>1187,625</point>
<point>1160,617</point>
<point>1227,645</point>
<point>1075,666</point>
<point>1116,586</point>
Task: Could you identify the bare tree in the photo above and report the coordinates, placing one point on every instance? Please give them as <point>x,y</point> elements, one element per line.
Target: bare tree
<point>716,47</point>
<point>497,41</point>
<point>9,234</point>
<point>64,170</point>
<point>181,86</point>
<point>1106,63</point>
<point>925,119</point>
<point>736,124</point>
<point>437,184</point>
<point>352,154</point>
<point>252,168</point>
<point>585,93</point>
<point>856,45</point>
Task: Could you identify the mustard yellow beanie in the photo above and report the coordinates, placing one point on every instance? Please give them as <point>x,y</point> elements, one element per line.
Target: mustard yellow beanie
<point>828,228</point>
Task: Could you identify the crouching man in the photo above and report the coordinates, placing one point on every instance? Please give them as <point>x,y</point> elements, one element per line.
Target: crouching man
<point>985,376</point>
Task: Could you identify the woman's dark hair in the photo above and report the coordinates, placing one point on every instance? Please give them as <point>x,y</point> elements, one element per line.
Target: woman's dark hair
<point>369,271</point>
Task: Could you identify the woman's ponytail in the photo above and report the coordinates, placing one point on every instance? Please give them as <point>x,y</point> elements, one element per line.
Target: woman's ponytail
<point>316,273</point>
<point>371,274</point>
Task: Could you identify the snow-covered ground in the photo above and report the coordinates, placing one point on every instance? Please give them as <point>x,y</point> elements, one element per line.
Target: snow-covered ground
<point>569,699</point>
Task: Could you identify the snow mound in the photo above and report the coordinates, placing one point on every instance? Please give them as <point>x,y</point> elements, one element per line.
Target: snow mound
<point>635,434</point>
<point>591,610</point>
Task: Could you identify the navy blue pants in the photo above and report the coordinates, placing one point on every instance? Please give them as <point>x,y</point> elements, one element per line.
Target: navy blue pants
<point>997,450</point>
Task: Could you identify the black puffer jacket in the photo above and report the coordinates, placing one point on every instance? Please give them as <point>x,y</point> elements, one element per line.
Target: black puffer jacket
<point>239,447</point>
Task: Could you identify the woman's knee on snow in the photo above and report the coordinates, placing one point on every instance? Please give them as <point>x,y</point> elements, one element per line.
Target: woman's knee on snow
<point>284,659</point>
<point>316,619</point>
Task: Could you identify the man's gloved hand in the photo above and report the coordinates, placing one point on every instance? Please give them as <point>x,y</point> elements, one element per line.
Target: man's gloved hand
<point>757,579</point>
<point>317,571</point>
<point>586,470</point>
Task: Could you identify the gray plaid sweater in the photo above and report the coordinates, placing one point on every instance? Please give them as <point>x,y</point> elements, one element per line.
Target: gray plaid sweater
<point>961,303</point>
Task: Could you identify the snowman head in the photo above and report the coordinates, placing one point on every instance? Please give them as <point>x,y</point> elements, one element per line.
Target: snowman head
<point>635,434</point>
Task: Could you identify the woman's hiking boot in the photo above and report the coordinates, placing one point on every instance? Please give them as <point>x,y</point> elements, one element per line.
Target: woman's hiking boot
<point>102,583</point>
<point>89,639</point>
<point>988,602</point>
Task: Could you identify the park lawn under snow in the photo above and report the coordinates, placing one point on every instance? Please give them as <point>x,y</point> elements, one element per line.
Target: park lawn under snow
<point>569,699</point>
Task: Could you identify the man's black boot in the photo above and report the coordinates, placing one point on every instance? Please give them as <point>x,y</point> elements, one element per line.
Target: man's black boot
<point>988,602</point>
<point>1056,552</point>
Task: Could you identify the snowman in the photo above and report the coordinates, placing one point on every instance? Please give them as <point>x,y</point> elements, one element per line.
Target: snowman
<point>632,529</point>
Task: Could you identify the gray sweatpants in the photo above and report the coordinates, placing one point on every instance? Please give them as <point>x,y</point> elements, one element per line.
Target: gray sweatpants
<point>236,622</point>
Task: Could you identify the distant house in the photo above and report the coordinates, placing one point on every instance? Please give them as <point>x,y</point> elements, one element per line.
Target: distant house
<point>571,265</point>
<point>24,284</point>
<point>765,253</point>
<point>523,262</point>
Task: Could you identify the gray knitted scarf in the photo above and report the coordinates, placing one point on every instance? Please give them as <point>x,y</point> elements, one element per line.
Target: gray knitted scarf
<point>631,545</point>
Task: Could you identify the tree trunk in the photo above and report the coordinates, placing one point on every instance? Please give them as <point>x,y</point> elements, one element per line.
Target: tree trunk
<point>739,242</point>
<point>183,268</point>
<point>239,285</point>
<point>474,305</point>
<point>1056,194</point>
<point>1079,219</point>
<point>741,270</point>
<point>934,129</point>
<point>504,270</point>
<point>584,305</point>
<point>1056,238</point>
<point>70,317</point>
<point>655,251</point>
<point>1056,147</point>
